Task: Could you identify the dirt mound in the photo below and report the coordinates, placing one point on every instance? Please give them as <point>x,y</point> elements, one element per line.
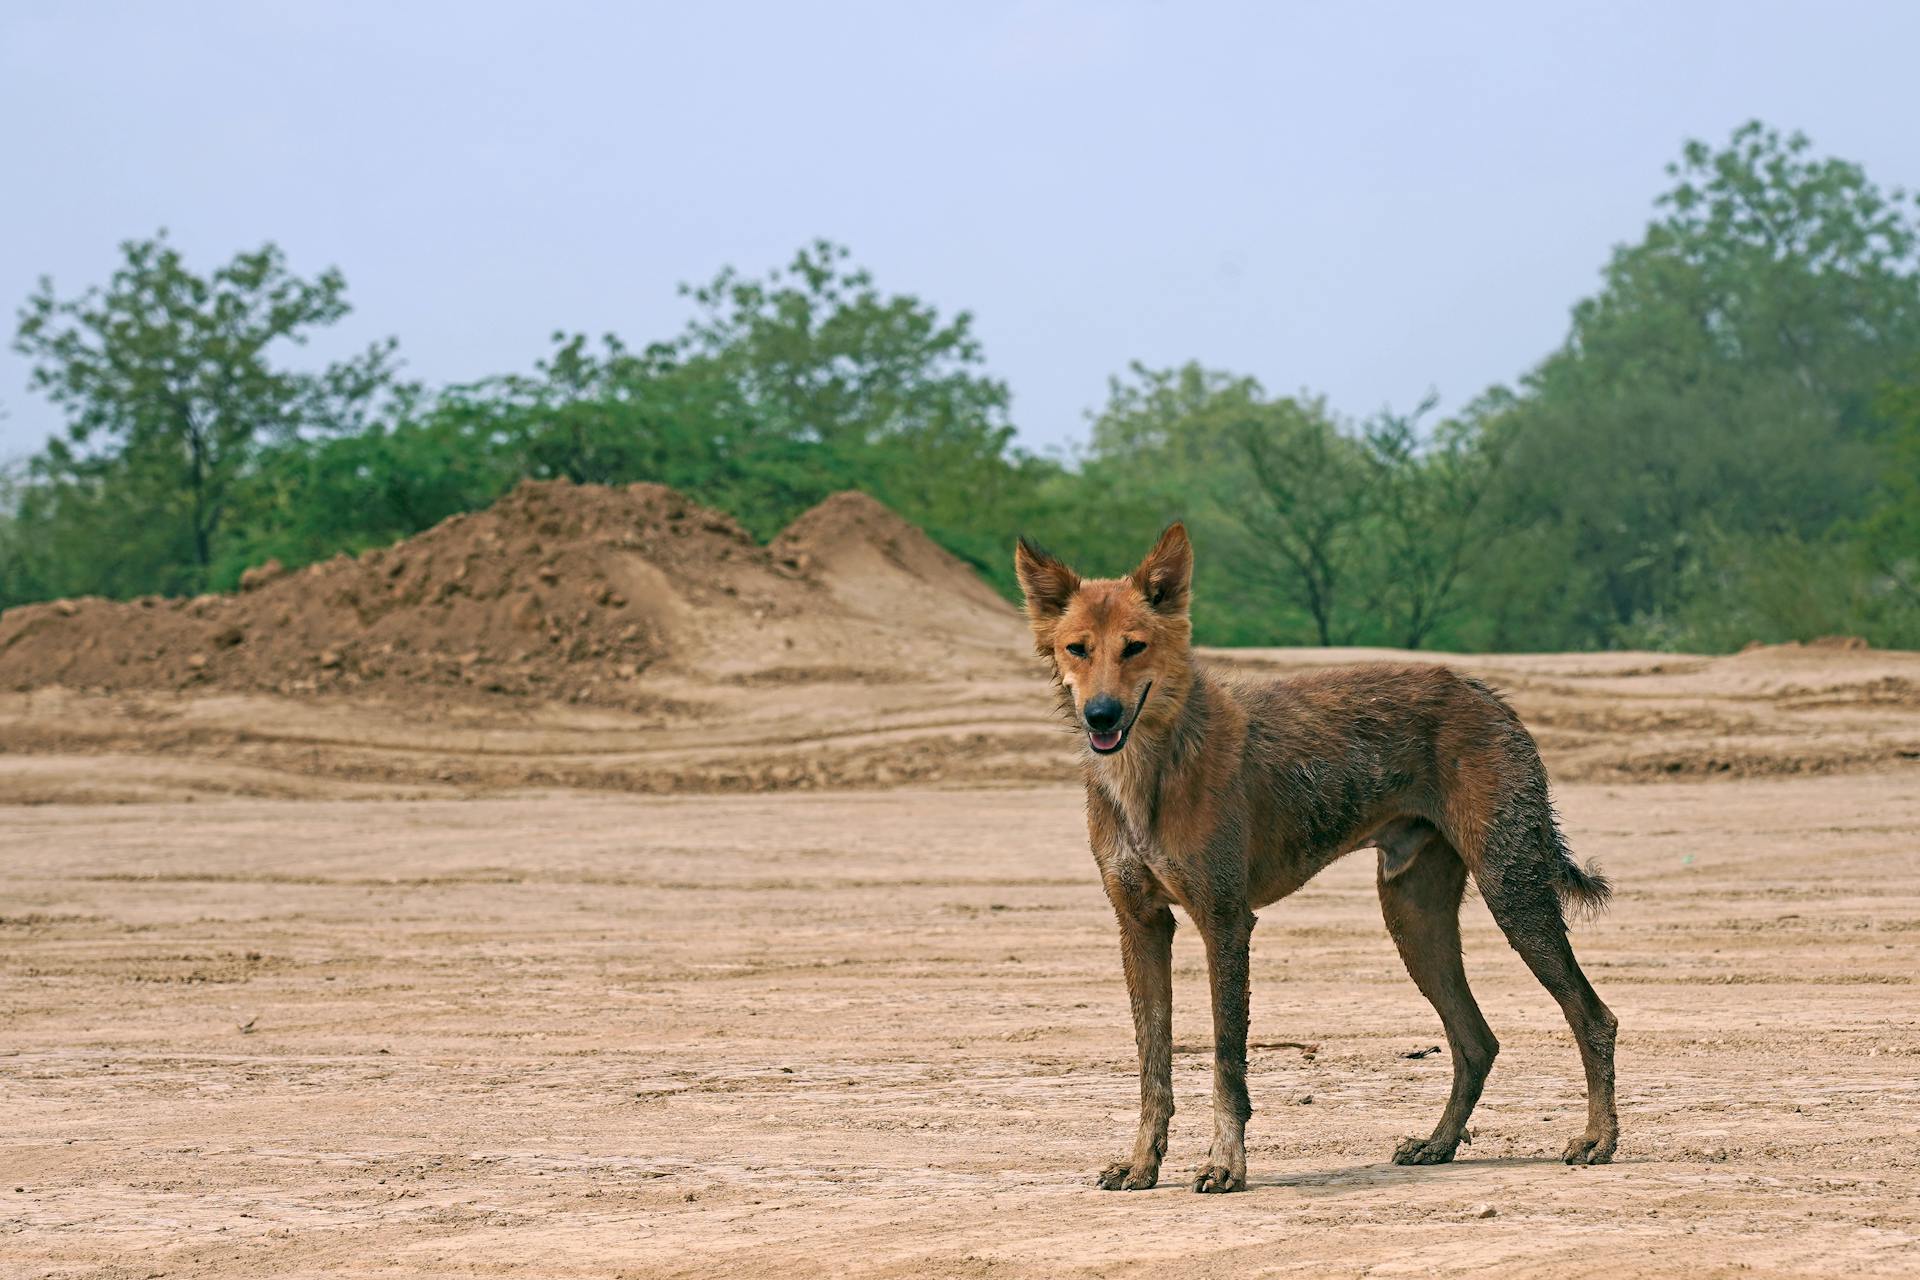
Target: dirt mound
<point>558,590</point>
<point>878,566</point>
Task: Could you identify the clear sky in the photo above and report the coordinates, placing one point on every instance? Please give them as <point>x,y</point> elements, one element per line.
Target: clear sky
<point>1369,200</point>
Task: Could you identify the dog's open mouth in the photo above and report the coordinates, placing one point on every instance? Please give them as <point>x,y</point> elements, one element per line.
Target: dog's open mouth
<point>1105,744</point>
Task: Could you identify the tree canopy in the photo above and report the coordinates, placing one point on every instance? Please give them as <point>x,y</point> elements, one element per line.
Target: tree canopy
<point>173,384</point>
<point>1725,446</point>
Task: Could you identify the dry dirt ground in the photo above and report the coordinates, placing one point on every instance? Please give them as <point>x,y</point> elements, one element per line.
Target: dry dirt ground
<point>883,1033</point>
<point>983,718</point>
<point>582,889</point>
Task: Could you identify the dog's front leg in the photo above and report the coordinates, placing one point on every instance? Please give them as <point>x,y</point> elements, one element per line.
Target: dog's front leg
<point>1228,930</point>
<point>1146,952</point>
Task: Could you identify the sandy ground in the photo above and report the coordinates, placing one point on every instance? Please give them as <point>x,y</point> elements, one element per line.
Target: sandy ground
<point>884,1033</point>
<point>581,889</point>
<point>1776,712</point>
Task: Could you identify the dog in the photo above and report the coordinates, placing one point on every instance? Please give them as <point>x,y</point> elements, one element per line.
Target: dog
<point>1221,795</point>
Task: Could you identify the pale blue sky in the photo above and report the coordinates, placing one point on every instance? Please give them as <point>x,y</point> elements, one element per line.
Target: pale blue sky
<point>1369,200</point>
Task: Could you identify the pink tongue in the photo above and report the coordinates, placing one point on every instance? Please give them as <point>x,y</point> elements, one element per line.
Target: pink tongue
<point>1104,741</point>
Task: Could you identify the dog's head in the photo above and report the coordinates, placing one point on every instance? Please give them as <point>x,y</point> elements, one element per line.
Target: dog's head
<point>1115,643</point>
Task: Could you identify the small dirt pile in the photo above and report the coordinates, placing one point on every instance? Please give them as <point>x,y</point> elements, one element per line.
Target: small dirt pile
<point>878,566</point>
<point>560,591</point>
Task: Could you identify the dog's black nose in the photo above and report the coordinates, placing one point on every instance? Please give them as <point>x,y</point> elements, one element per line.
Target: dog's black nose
<point>1103,713</point>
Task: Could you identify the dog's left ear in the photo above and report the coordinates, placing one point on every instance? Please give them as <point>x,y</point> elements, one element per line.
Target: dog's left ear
<point>1165,577</point>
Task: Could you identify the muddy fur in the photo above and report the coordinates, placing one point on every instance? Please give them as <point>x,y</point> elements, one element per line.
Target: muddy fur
<point>1224,795</point>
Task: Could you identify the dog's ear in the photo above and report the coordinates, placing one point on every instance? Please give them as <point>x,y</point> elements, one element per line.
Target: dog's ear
<point>1048,583</point>
<point>1165,577</point>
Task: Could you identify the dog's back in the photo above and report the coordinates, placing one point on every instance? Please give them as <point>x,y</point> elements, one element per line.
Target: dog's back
<point>1330,756</point>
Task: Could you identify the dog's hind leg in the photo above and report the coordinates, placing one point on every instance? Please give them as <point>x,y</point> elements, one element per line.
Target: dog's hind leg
<point>1421,883</point>
<point>1521,894</point>
<point>1146,953</point>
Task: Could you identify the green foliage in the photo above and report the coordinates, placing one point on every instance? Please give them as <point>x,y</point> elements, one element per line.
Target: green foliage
<point>310,499</point>
<point>1317,532</point>
<point>1306,507</point>
<point>1886,542</point>
<point>1725,448</point>
<point>835,385</point>
<point>1164,448</point>
<point>1722,381</point>
<point>780,392</point>
<point>1428,500</point>
<point>171,387</point>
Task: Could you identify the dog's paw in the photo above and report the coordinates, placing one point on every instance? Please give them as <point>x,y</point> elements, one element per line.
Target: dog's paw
<point>1585,1150</point>
<point>1213,1179</point>
<point>1423,1151</point>
<point>1122,1176</point>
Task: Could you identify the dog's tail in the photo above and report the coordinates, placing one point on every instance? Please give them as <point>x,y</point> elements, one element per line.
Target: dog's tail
<point>1584,892</point>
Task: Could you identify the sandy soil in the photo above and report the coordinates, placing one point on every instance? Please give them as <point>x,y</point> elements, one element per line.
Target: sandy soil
<point>582,889</point>
<point>884,1034</point>
<point>984,719</point>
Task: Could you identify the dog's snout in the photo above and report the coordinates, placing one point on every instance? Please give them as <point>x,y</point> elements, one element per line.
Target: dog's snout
<point>1103,713</point>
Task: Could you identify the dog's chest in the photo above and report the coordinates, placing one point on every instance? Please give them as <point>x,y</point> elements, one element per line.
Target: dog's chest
<point>1139,850</point>
<point>1130,803</point>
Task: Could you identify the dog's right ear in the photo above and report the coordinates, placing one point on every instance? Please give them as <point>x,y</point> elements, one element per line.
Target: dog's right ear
<point>1047,582</point>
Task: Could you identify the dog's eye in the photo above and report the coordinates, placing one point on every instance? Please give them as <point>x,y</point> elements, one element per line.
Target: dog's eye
<point>1077,650</point>
<point>1133,648</point>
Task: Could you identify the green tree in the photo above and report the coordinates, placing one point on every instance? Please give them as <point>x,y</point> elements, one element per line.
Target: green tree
<point>307,499</point>
<point>612,415</point>
<point>1156,453</point>
<point>821,354</point>
<point>1307,507</point>
<point>836,384</point>
<point>1428,494</point>
<point>172,384</point>
<point>1164,447</point>
<point>1273,486</point>
<point>779,392</point>
<point>1889,534</point>
<point>1720,387</point>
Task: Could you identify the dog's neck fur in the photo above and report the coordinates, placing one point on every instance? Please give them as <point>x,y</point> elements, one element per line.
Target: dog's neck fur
<point>1158,754</point>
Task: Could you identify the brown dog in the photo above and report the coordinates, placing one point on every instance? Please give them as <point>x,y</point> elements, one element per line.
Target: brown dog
<point>1221,796</point>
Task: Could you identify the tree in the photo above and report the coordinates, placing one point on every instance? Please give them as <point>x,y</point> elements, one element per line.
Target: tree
<point>1357,534</point>
<point>1167,446</point>
<point>1428,495</point>
<point>612,415</point>
<point>1156,453</point>
<point>1307,506</point>
<point>835,383</point>
<point>894,402</point>
<point>172,385</point>
<point>821,354</point>
<point>1798,264</point>
<point>1889,535</point>
<point>16,579</point>
<point>1721,384</point>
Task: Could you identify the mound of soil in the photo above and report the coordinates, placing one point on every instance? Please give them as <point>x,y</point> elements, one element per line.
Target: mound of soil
<point>878,566</point>
<point>558,590</point>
